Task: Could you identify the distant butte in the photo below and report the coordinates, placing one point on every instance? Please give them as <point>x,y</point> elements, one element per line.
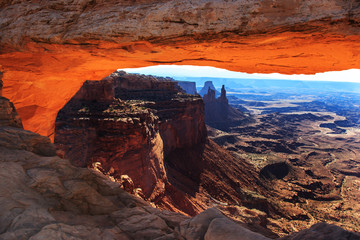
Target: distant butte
<point>218,113</point>
<point>49,48</point>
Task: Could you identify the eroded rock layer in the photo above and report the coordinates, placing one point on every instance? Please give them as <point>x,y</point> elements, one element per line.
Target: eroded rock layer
<point>311,170</point>
<point>129,123</point>
<point>45,197</point>
<point>48,48</point>
<point>148,129</point>
<point>144,132</point>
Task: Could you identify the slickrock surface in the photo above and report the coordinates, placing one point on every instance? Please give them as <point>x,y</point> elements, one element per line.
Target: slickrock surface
<point>45,197</point>
<point>211,225</point>
<point>323,231</point>
<point>49,48</point>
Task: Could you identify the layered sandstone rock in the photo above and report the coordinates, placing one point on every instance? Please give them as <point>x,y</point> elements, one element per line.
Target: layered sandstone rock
<point>85,21</point>
<point>45,197</point>
<point>148,129</point>
<point>129,123</point>
<point>8,114</point>
<point>120,133</point>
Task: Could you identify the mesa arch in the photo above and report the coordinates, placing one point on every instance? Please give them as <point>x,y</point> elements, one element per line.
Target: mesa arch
<point>49,48</point>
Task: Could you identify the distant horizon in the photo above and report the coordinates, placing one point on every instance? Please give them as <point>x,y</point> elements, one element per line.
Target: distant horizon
<point>185,71</point>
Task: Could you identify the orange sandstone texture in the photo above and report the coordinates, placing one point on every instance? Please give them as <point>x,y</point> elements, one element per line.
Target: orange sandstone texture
<point>49,48</point>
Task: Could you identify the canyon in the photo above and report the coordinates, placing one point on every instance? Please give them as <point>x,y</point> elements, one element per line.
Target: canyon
<point>45,196</point>
<point>150,130</point>
<point>304,145</point>
<point>258,184</point>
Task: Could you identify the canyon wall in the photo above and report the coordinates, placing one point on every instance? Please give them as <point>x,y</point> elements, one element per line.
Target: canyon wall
<point>45,196</point>
<point>49,48</point>
<point>150,130</point>
<point>129,123</point>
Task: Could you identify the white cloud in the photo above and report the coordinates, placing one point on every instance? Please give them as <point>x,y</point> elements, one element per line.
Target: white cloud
<point>351,75</point>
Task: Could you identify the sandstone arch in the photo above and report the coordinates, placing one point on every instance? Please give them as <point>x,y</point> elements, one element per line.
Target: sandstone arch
<point>49,48</point>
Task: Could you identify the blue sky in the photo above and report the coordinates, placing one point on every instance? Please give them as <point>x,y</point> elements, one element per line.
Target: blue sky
<point>351,75</point>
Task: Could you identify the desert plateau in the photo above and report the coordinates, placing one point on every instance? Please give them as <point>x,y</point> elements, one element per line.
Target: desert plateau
<point>93,147</point>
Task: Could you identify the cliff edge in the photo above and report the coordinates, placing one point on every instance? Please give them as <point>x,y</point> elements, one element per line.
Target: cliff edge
<point>150,130</point>
<point>45,197</point>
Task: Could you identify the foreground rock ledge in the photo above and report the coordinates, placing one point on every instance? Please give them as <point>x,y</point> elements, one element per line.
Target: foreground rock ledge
<point>45,197</point>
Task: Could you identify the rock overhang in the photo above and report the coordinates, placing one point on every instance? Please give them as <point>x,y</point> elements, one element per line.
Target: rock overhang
<point>48,49</point>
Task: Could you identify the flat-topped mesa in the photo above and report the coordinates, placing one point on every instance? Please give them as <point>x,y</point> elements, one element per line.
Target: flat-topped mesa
<point>143,87</point>
<point>205,89</point>
<point>128,123</point>
<point>188,87</point>
<point>128,86</point>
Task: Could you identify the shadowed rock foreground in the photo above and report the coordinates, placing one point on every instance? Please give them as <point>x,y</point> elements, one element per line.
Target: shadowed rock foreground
<point>45,197</point>
<point>150,130</point>
<point>48,48</point>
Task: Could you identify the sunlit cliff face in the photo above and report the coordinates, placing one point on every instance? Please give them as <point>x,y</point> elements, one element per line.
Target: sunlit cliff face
<point>48,49</point>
